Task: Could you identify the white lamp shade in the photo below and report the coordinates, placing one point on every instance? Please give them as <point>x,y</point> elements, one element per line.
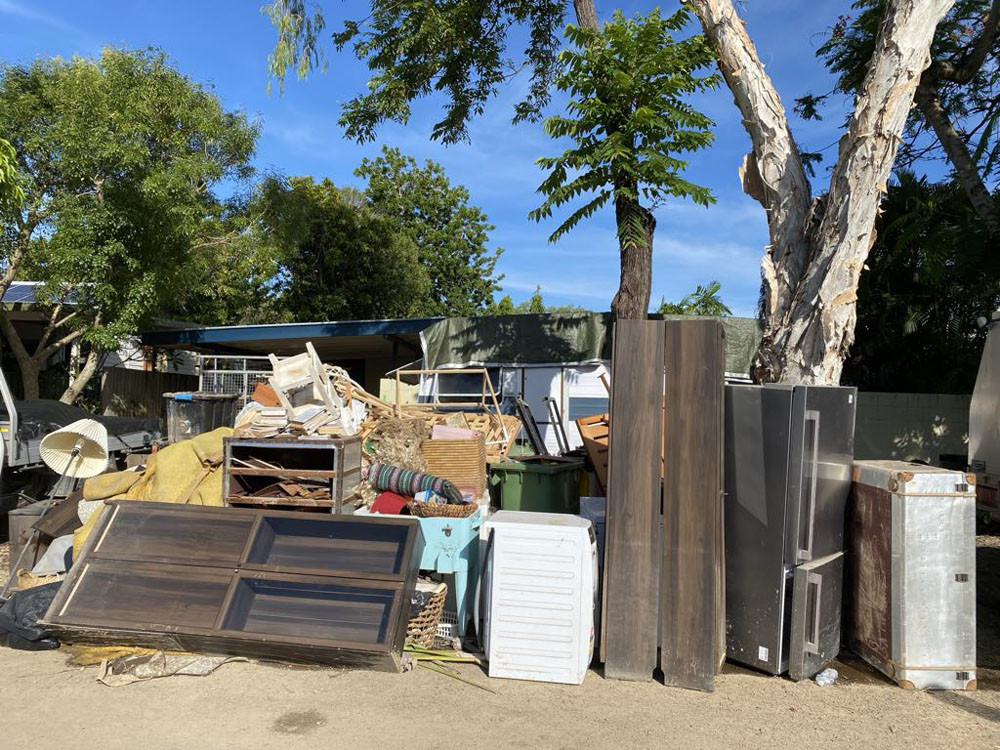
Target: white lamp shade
<point>56,449</point>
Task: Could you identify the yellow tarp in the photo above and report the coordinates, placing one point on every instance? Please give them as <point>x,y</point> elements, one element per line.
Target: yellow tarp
<point>186,472</point>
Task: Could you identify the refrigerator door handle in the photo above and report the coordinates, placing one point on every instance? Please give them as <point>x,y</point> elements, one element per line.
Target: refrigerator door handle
<point>815,582</point>
<point>804,552</point>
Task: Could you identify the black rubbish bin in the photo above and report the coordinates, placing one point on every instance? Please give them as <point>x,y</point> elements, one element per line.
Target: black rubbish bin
<point>191,413</point>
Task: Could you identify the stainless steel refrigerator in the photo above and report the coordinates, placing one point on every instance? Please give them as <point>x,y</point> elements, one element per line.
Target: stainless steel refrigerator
<point>788,475</point>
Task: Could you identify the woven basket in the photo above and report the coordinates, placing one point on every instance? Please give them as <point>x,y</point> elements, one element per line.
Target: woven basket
<point>441,510</point>
<point>422,628</point>
<point>461,462</point>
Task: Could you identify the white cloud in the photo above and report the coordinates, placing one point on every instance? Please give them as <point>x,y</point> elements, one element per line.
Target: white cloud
<point>11,8</point>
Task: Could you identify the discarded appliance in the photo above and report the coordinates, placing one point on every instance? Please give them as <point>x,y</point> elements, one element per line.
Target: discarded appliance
<point>539,589</point>
<point>314,588</point>
<point>295,472</point>
<point>911,573</point>
<point>594,510</point>
<point>788,474</point>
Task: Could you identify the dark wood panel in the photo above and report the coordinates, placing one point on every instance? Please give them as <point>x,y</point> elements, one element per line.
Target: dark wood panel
<point>327,617</point>
<point>223,645</point>
<point>144,595</point>
<point>867,598</point>
<point>301,544</point>
<point>139,393</point>
<point>319,610</point>
<point>631,564</point>
<point>692,596</point>
<point>142,531</point>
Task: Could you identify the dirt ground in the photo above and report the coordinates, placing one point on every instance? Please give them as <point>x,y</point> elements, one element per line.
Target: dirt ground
<point>245,705</point>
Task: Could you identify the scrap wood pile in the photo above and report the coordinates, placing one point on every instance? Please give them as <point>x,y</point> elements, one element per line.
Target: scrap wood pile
<point>309,444</point>
<point>307,400</point>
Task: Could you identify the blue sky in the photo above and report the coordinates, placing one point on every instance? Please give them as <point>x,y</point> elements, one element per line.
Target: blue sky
<point>225,43</point>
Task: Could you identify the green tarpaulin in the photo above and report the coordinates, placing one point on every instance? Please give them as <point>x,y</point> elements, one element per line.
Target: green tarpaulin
<point>555,338</point>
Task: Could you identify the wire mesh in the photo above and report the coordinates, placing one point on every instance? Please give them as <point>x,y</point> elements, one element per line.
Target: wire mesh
<point>232,374</point>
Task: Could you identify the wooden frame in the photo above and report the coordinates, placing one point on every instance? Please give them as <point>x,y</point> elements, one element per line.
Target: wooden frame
<point>487,390</point>
<point>117,593</point>
<point>342,455</point>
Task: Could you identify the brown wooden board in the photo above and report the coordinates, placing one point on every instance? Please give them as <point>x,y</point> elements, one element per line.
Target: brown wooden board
<point>868,574</point>
<point>632,560</point>
<point>692,596</point>
<point>257,583</point>
<point>594,432</point>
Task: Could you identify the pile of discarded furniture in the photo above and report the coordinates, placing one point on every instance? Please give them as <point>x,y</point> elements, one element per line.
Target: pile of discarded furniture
<point>699,521</point>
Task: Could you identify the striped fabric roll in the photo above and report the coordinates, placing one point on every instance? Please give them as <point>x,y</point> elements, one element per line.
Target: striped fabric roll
<point>406,482</point>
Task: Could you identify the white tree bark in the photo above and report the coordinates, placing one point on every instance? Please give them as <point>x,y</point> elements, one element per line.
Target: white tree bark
<point>818,249</point>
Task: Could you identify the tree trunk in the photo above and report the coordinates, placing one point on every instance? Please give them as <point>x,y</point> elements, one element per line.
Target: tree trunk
<point>632,299</point>
<point>958,154</point>
<point>25,362</point>
<point>83,377</point>
<point>811,269</point>
<point>586,16</point>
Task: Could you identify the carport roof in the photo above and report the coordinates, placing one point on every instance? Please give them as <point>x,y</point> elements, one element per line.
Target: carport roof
<point>332,339</point>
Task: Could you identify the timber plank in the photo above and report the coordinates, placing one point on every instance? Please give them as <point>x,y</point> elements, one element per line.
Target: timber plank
<point>692,596</point>
<point>632,557</point>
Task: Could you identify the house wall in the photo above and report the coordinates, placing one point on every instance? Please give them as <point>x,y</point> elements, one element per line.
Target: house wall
<point>131,355</point>
<point>909,426</point>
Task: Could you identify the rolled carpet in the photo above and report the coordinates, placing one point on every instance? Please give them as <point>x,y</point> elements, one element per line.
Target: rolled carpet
<point>406,482</point>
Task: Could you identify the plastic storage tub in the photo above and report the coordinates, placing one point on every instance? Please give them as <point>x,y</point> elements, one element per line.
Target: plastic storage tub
<point>542,484</point>
<point>193,412</point>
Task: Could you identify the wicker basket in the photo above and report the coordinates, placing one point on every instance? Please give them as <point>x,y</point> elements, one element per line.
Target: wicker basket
<point>461,462</point>
<point>423,626</point>
<point>441,510</point>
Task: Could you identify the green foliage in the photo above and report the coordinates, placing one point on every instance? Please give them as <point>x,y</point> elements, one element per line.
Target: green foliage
<point>338,261</point>
<point>534,305</point>
<point>298,39</point>
<point>11,193</point>
<point>975,103</point>
<point>117,158</point>
<point>704,300</point>
<point>504,307</point>
<point>450,235</point>
<point>232,270</point>
<point>629,117</point>
<point>931,272</point>
<point>415,48</point>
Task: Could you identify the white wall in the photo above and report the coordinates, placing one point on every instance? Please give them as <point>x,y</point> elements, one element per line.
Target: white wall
<point>131,356</point>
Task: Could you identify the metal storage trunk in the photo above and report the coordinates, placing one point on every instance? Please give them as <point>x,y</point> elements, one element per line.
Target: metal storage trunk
<point>911,579</point>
